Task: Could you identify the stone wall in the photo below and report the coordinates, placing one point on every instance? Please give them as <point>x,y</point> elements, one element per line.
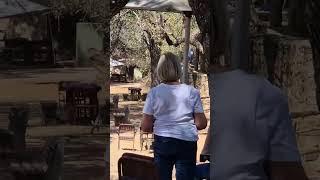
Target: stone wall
<point>308,136</point>
<point>288,63</point>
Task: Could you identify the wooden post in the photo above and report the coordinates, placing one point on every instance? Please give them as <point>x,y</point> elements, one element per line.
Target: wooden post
<point>18,121</point>
<point>186,47</point>
<point>50,37</point>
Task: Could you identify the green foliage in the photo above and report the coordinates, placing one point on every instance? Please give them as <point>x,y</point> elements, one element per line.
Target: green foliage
<point>89,8</point>
<point>129,35</point>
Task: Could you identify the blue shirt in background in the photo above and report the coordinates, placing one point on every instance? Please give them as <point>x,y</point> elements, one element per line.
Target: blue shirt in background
<point>173,107</point>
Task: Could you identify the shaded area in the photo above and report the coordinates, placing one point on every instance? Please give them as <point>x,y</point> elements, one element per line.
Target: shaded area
<point>84,155</point>
<point>34,73</point>
<point>84,158</point>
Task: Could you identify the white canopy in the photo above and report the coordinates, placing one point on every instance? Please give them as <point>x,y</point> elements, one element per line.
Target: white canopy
<point>17,7</point>
<point>160,5</point>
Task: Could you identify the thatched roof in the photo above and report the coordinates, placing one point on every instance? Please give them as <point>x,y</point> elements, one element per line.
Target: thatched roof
<point>160,5</point>
<point>9,8</point>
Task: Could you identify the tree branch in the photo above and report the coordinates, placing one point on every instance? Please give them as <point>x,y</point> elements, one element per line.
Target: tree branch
<point>117,6</point>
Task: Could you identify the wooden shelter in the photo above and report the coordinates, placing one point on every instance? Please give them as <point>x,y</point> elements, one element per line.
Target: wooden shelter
<point>10,8</point>
<point>29,50</point>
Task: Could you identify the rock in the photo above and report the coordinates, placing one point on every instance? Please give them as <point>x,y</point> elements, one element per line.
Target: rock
<point>287,62</point>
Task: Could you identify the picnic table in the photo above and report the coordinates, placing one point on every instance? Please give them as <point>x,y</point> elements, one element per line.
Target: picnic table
<point>119,77</point>
<point>119,118</point>
<point>135,93</point>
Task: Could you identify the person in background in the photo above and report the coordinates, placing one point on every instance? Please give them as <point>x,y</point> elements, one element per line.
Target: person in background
<point>174,113</point>
<point>251,132</point>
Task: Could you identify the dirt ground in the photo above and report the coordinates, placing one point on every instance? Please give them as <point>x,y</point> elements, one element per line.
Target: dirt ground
<point>84,153</point>
<point>135,118</point>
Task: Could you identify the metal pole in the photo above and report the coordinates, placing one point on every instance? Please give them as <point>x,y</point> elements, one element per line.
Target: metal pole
<point>186,47</point>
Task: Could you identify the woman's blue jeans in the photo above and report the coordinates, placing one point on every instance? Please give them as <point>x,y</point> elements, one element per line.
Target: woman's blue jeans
<point>203,171</point>
<point>169,152</point>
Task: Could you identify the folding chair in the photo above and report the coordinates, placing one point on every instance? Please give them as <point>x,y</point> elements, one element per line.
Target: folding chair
<point>145,138</point>
<point>136,167</point>
<point>123,133</point>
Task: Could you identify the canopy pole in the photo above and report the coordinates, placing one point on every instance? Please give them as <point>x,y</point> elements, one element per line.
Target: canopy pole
<point>187,22</point>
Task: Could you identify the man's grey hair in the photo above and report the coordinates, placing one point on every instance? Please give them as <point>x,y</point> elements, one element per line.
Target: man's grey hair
<point>169,68</point>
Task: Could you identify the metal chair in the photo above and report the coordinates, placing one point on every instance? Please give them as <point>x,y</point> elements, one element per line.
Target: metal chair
<point>123,135</point>
<point>145,138</point>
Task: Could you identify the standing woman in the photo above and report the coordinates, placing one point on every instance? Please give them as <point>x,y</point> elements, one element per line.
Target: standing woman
<point>174,113</point>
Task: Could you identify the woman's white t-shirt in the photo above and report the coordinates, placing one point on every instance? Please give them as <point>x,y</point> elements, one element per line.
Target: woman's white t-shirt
<point>173,107</point>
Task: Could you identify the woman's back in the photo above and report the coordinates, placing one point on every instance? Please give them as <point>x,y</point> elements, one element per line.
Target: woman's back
<point>173,107</point>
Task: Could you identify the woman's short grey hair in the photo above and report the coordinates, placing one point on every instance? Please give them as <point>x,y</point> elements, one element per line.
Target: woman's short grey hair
<point>169,68</point>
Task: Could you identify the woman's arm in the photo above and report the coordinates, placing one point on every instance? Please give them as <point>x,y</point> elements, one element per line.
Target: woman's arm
<point>148,118</point>
<point>147,123</point>
<point>199,117</point>
<point>200,120</point>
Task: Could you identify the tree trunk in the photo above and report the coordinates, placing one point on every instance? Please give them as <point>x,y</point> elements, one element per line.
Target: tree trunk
<point>130,72</point>
<point>155,53</point>
<point>201,12</point>
<point>117,6</point>
<point>312,18</point>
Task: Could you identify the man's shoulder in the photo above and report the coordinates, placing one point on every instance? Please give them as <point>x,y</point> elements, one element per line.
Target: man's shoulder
<point>270,92</point>
<point>191,88</point>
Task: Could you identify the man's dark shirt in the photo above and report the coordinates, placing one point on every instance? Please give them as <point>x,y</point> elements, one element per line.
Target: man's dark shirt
<point>250,124</point>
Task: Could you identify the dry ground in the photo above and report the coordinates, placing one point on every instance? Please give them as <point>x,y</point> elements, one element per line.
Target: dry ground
<point>135,118</point>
